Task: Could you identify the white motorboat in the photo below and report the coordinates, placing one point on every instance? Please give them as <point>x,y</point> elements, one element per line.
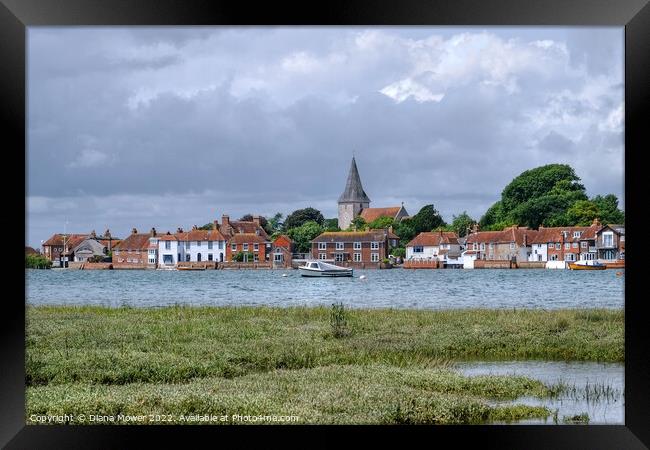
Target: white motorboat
<point>322,269</point>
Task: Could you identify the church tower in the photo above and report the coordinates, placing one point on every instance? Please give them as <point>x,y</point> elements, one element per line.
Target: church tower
<point>353,200</point>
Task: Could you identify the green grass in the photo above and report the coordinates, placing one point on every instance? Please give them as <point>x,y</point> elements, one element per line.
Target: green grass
<point>389,366</point>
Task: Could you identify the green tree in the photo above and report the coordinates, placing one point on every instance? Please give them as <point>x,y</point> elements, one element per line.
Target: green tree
<point>35,261</point>
<point>461,223</point>
<point>582,213</point>
<point>301,216</point>
<point>358,223</point>
<point>405,230</point>
<point>427,219</point>
<point>381,222</point>
<point>304,234</point>
<point>274,223</point>
<point>398,251</point>
<point>608,211</point>
<point>331,225</point>
<point>207,226</point>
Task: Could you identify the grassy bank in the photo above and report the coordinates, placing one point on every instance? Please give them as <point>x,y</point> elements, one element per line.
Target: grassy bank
<point>386,366</point>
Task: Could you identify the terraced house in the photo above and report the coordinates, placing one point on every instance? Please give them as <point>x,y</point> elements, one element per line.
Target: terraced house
<point>361,249</point>
<point>565,243</point>
<point>440,246</point>
<point>132,252</point>
<point>247,238</point>
<point>510,244</point>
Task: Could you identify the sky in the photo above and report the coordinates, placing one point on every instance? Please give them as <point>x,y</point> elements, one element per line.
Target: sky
<point>171,127</point>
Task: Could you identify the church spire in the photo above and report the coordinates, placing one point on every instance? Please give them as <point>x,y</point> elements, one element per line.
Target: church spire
<point>353,189</point>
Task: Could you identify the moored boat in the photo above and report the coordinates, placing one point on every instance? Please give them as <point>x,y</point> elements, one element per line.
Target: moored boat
<point>321,269</point>
<point>615,264</point>
<point>584,266</point>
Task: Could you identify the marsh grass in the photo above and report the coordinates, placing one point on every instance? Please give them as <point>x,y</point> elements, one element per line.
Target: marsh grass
<point>395,367</point>
<point>590,392</point>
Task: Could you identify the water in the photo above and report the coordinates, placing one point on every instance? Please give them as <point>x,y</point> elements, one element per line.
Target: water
<point>604,409</point>
<point>397,288</point>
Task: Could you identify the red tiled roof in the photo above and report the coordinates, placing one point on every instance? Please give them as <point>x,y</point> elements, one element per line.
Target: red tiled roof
<point>72,240</point>
<point>370,214</point>
<point>434,238</point>
<point>201,235</point>
<point>554,234</point>
<point>136,241</point>
<point>351,236</point>
<point>389,233</point>
<point>243,238</point>
<point>510,234</point>
<point>244,226</point>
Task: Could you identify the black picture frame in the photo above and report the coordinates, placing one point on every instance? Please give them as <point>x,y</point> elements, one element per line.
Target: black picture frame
<point>634,15</point>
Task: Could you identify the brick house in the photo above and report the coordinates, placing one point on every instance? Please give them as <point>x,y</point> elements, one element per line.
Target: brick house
<point>246,237</point>
<point>282,248</point>
<point>132,252</point>
<point>512,243</point>
<point>361,249</point>
<point>58,248</point>
<point>565,243</point>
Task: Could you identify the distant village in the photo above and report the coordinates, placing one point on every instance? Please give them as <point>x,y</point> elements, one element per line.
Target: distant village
<point>245,244</point>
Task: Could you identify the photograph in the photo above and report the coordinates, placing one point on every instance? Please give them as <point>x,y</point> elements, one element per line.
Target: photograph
<point>360,225</point>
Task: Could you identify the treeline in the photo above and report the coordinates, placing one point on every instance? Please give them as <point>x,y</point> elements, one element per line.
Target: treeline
<point>550,195</point>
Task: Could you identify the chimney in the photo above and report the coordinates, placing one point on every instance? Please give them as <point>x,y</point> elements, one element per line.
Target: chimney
<point>225,220</point>
<point>390,229</point>
<point>595,223</point>
<point>93,234</point>
<point>194,228</point>
<point>215,225</point>
<point>256,219</point>
<point>107,233</point>
<point>153,232</point>
<point>179,230</point>
<point>134,231</point>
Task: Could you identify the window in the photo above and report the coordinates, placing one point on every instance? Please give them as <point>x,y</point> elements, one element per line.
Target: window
<point>357,257</point>
<point>198,243</point>
<point>569,257</point>
<point>322,256</point>
<point>374,257</point>
<point>245,247</point>
<point>551,245</point>
<point>198,257</point>
<point>152,260</point>
<point>512,246</point>
<point>576,234</point>
<point>374,245</point>
<point>256,247</point>
<point>220,245</point>
<point>168,259</point>
<point>567,245</point>
<point>322,246</point>
<point>583,244</point>
<point>209,245</point>
<point>557,246</point>
<point>340,245</point>
<point>474,246</point>
<point>608,239</point>
<point>622,238</point>
<point>210,257</point>
<point>256,258</point>
<point>418,249</point>
<point>574,245</point>
<point>168,245</point>
<point>187,257</point>
<point>338,257</point>
<point>187,245</point>
<point>357,245</point>
<point>553,257</point>
<point>482,245</point>
<point>233,247</point>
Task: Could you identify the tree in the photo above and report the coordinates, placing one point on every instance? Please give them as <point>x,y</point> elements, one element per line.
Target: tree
<point>207,226</point>
<point>301,216</point>
<point>405,230</point>
<point>427,219</point>
<point>381,222</point>
<point>304,234</point>
<point>608,211</point>
<point>331,225</point>
<point>358,223</point>
<point>582,213</point>
<point>461,223</point>
<point>274,223</point>
<point>36,261</point>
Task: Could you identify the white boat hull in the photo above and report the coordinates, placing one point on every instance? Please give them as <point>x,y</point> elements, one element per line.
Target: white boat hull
<point>324,270</point>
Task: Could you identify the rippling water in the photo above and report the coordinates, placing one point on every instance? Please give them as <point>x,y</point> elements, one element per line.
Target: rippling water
<point>397,288</point>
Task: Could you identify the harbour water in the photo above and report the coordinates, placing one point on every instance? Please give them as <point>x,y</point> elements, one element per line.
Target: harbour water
<point>396,288</point>
<point>595,389</point>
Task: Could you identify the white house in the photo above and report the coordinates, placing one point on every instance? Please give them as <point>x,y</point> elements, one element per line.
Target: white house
<point>435,246</point>
<point>191,246</point>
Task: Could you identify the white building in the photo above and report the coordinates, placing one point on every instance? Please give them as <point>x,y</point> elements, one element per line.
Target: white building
<point>191,246</point>
<point>435,246</point>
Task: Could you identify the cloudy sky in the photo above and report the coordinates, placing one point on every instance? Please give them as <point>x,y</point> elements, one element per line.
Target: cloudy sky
<point>168,127</point>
